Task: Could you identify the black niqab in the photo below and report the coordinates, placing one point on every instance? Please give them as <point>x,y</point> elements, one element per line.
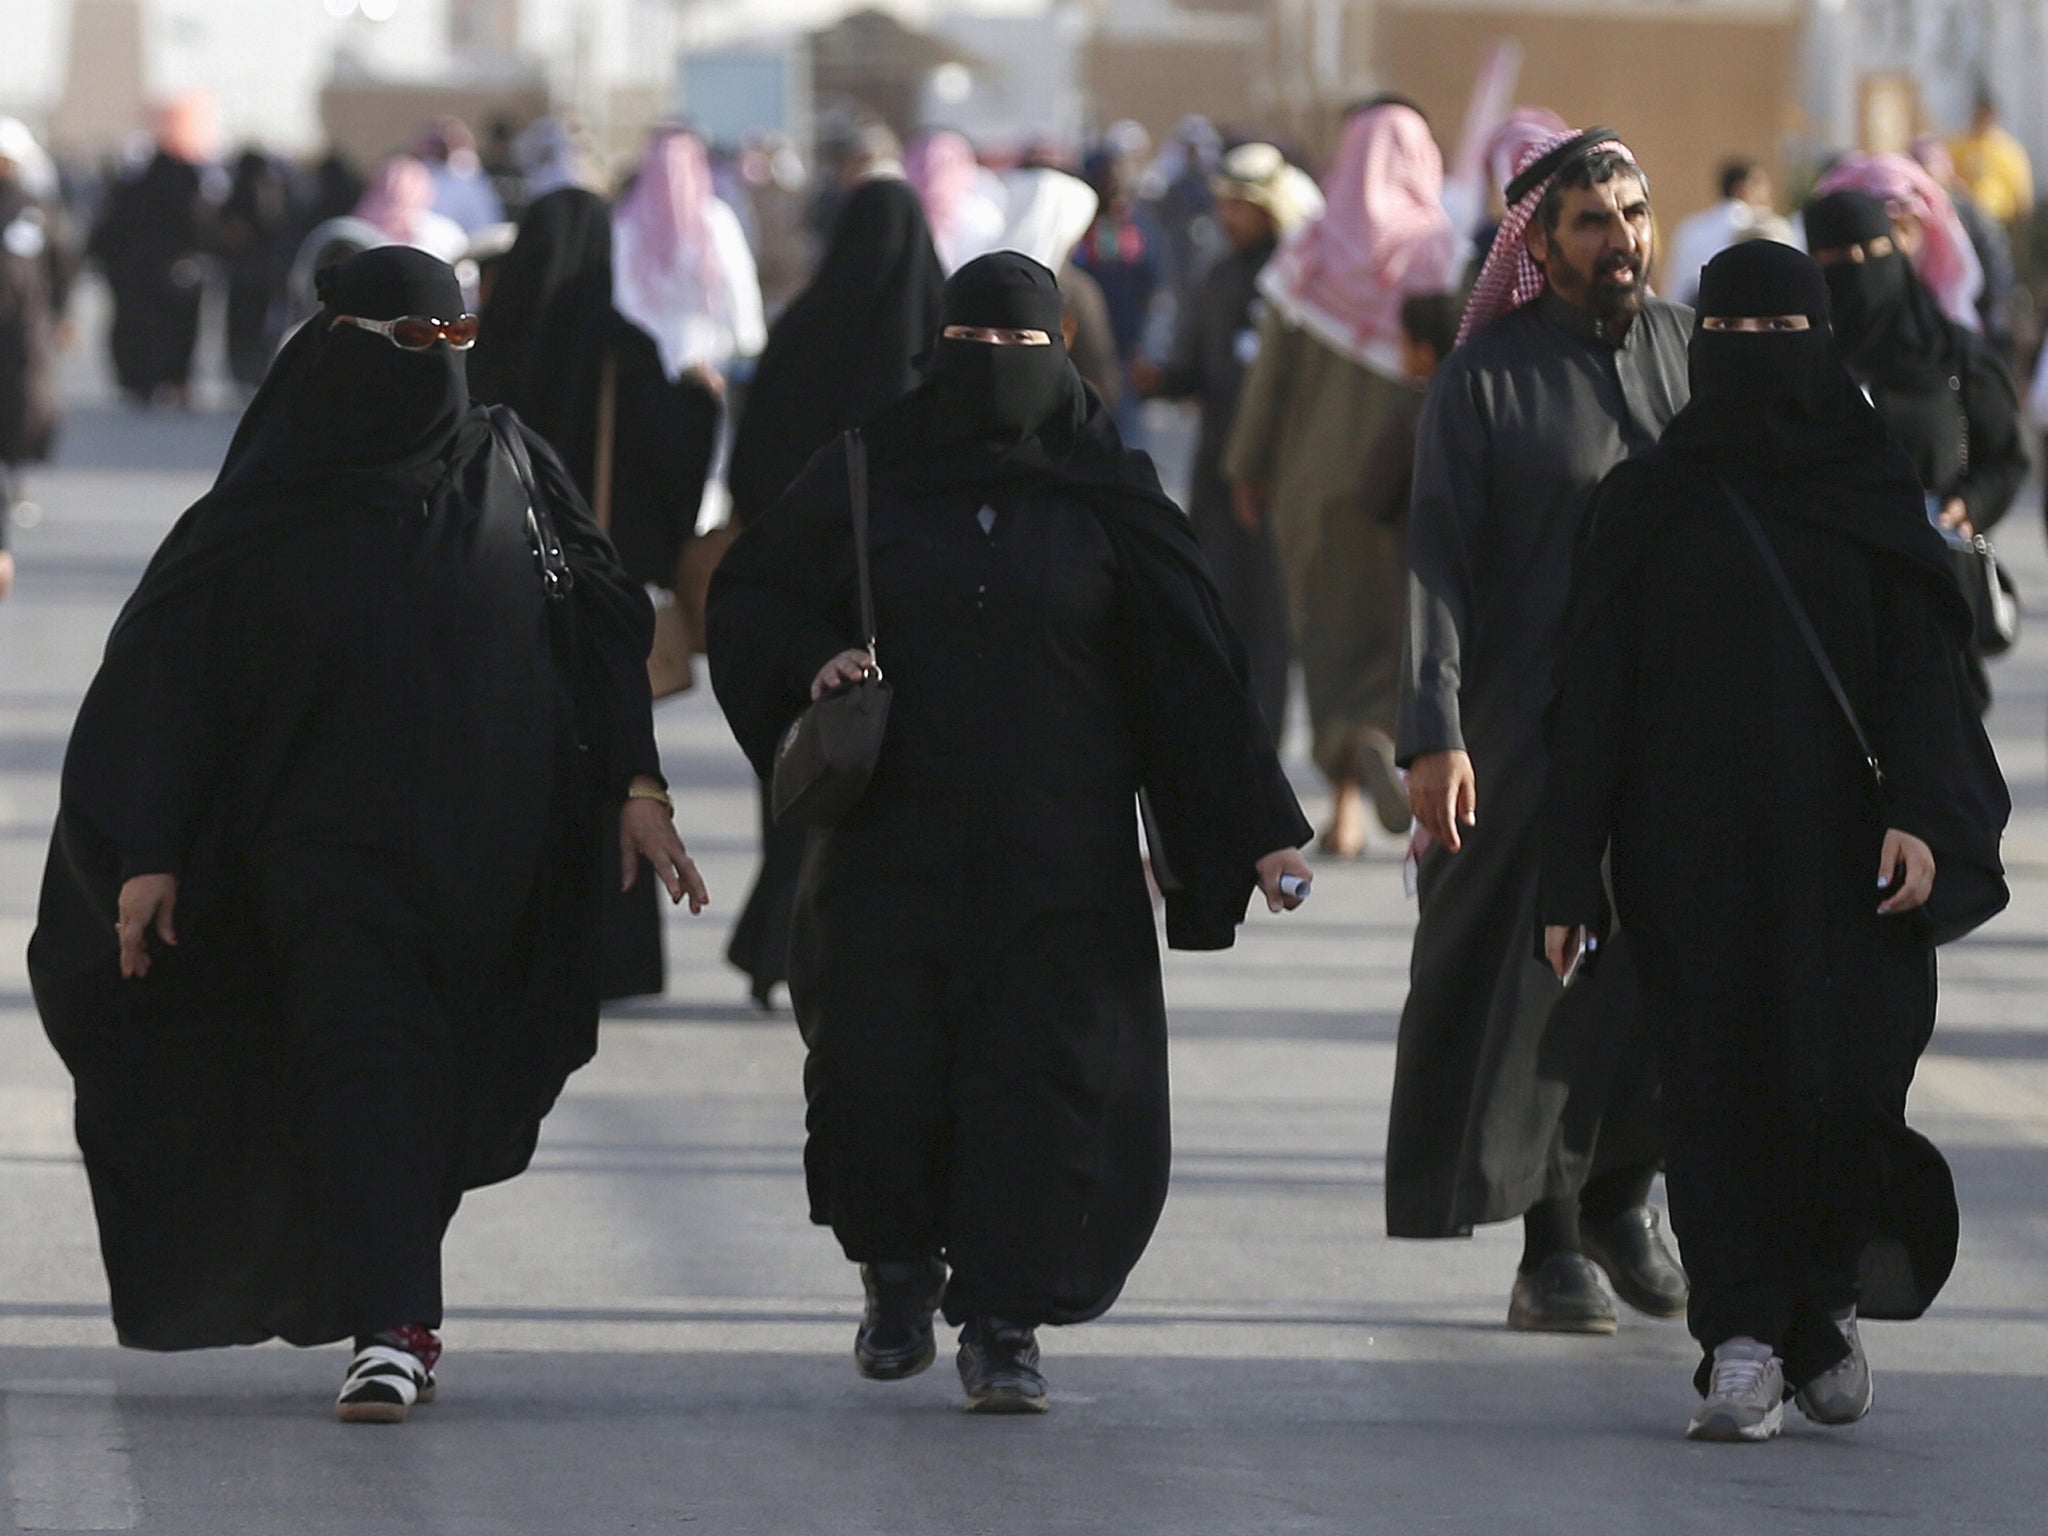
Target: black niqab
<point>344,407</point>
<point>846,348</point>
<point>988,411</point>
<point>1778,413</point>
<point>1890,325</point>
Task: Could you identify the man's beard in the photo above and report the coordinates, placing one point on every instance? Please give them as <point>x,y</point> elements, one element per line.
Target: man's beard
<point>1597,291</point>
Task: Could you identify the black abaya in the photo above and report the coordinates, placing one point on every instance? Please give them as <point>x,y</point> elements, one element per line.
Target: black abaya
<point>1695,737</point>
<point>388,871</point>
<point>975,972</point>
<point>148,243</point>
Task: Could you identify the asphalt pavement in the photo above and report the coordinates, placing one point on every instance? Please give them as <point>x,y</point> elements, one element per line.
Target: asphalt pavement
<point>646,1335</point>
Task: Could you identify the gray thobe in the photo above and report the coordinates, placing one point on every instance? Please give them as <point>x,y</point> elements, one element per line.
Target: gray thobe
<point>1508,1091</point>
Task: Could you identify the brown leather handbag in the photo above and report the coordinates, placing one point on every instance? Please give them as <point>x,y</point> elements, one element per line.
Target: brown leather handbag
<point>829,752</point>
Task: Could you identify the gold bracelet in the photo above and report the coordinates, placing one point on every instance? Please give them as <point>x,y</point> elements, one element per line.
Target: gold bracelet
<point>640,792</point>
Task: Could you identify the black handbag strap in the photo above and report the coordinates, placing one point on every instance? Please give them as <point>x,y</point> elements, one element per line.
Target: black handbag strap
<point>1807,632</point>
<point>557,579</point>
<point>857,491</point>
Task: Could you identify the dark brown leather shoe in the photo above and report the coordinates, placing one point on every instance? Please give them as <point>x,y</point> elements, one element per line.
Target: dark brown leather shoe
<point>1638,1263</point>
<point>1563,1294</point>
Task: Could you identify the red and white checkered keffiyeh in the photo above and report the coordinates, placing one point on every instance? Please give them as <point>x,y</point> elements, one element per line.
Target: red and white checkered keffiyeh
<point>1511,277</point>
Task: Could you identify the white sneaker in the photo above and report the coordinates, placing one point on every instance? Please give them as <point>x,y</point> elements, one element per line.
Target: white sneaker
<point>1745,1395</point>
<point>1843,1393</point>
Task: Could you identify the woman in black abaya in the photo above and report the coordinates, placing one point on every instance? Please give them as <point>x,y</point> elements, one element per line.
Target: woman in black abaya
<point>1767,881</point>
<point>843,351</point>
<point>317,936</point>
<point>556,346</point>
<point>1943,394</point>
<point>973,966</point>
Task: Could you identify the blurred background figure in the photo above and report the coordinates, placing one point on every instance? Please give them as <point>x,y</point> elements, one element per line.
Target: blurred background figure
<point>1925,225</point>
<point>1745,212</point>
<point>609,331</point>
<point>38,262</point>
<point>966,221</point>
<point>400,202</point>
<point>148,243</point>
<point>252,235</point>
<point>550,154</point>
<point>844,350</point>
<point>462,187</point>
<point>1258,200</point>
<point>1994,166</point>
<point>1049,211</point>
<point>1988,238</point>
<point>1124,253</point>
<point>773,174</point>
<point>1943,395</point>
<point>1177,189</point>
<point>1314,444</point>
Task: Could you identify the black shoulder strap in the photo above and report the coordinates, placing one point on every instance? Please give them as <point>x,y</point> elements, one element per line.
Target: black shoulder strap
<point>857,491</point>
<point>548,554</point>
<point>1807,632</point>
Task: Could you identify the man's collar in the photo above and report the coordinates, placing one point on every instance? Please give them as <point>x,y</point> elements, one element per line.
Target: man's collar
<point>1568,317</point>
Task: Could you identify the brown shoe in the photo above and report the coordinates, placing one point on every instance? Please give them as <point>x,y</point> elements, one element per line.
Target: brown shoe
<point>1563,1294</point>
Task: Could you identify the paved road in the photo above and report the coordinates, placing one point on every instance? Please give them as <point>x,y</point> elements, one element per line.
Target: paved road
<point>645,1335</point>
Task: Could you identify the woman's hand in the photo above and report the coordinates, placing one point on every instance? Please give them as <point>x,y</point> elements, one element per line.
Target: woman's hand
<point>1562,946</point>
<point>1955,513</point>
<point>1443,792</point>
<point>1911,861</point>
<point>145,900</point>
<point>1282,861</point>
<point>846,667</point>
<point>647,830</point>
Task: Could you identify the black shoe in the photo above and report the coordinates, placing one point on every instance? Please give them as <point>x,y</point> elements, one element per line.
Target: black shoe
<point>1638,1262</point>
<point>1561,1295</point>
<point>895,1337</point>
<point>999,1368</point>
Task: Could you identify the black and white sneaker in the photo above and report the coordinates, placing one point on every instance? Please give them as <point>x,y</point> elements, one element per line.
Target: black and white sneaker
<point>895,1336</point>
<point>999,1368</point>
<point>386,1378</point>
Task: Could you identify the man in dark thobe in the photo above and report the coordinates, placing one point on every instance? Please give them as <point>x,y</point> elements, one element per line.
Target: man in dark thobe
<point>1512,1098</point>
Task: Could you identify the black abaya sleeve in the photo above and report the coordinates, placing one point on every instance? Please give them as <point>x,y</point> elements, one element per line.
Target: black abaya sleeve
<point>1450,491</point>
<point>1591,721</point>
<point>782,604</point>
<point>615,631</point>
<point>1213,784</point>
<point>1997,449</point>
<point>151,734</point>
<point>1942,781</point>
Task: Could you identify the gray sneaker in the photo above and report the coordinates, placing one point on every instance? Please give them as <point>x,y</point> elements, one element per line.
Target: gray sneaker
<point>1843,1393</point>
<point>1745,1395</point>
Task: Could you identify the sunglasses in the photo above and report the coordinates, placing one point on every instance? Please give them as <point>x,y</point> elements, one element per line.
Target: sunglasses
<point>416,333</point>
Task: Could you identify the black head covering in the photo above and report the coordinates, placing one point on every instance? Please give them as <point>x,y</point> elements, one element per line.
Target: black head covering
<point>992,403</point>
<point>846,347</point>
<point>1890,325</point>
<point>1778,412</point>
<point>1777,400</point>
<point>346,411</point>
<point>539,349</point>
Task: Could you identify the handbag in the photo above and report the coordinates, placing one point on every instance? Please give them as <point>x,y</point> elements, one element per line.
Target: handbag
<point>829,752</point>
<point>670,668</point>
<point>1988,587</point>
<point>1964,897</point>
